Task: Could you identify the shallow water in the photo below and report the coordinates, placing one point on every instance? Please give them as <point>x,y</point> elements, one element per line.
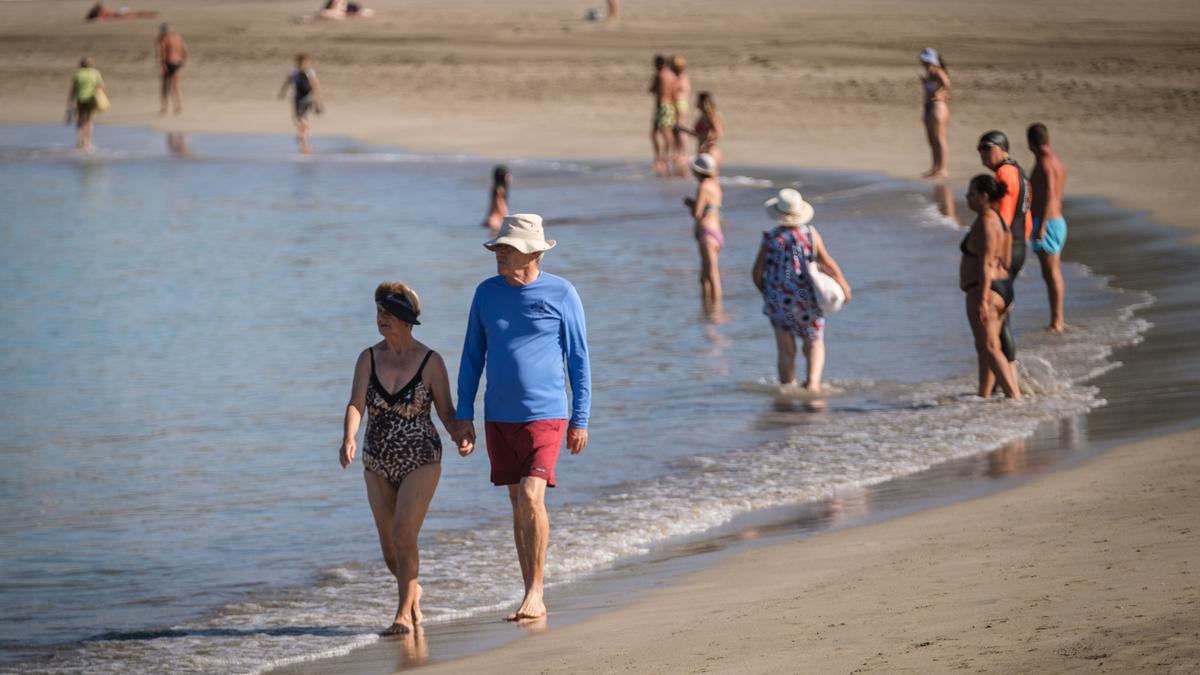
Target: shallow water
<point>177,334</point>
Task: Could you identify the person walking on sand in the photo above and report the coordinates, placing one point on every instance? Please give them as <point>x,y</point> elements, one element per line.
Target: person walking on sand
<point>708,128</point>
<point>935,84</point>
<point>172,54</point>
<point>523,325</point>
<point>83,101</point>
<point>983,274</point>
<point>498,201</point>
<point>781,274</point>
<point>705,209</point>
<point>683,94</point>
<point>306,98</point>
<point>662,120</point>
<point>1049,227</point>
<point>396,382</point>
<point>1014,209</point>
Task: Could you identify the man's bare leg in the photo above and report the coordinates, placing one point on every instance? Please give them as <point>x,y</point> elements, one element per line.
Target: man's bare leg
<point>1052,275</point>
<point>533,523</point>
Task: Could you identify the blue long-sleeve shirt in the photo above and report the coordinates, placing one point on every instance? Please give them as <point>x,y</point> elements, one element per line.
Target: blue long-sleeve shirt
<point>523,334</point>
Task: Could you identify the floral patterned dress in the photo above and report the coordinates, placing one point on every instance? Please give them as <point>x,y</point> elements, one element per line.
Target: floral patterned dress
<point>788,299</point>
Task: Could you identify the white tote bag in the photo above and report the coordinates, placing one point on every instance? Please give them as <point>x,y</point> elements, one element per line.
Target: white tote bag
<point>828,292</point>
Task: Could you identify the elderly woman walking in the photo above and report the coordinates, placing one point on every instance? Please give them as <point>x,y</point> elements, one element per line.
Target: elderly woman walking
<point>783,274</point>
<point>396,381</point>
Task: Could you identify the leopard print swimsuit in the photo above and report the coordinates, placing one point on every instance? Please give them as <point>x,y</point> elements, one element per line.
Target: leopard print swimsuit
<point>400,437</point>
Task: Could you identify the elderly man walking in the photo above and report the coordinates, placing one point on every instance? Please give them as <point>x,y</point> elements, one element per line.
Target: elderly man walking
<point>524,325</point>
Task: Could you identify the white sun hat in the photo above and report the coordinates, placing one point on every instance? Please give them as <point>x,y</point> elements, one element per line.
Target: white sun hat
<point>789,208</point>
<point>522,231</point>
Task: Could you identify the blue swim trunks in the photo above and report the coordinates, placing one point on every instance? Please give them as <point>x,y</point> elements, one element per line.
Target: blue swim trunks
<point>1053,238</point>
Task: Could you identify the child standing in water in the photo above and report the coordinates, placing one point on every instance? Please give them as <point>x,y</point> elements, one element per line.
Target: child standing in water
<point>306,98</point>
<point>498,202</point>
<point>782,276</point>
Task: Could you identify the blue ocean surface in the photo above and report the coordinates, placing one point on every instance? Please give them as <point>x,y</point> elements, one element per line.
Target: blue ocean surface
<point>179,322</point>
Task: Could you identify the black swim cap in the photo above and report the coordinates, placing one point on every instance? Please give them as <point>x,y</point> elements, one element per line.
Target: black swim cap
<point>993,137</point>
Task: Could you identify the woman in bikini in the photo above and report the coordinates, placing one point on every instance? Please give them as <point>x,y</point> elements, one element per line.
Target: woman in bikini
<point>935,84</point>
<point>498,202</point>
<point>396,382</point>
<point>708,128</point>
<point>983,274</point>
<point>705,209</point>
<point>781,275</point>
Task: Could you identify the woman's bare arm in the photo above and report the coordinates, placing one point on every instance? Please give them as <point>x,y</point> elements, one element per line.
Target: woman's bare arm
<point>829,265</point>
<point>355,408</point>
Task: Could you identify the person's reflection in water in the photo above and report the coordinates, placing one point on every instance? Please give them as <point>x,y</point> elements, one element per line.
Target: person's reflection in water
<point>414,651</point>
<point>535,625</point>
<point>177,143</point>
<point>1008,460</point>
<point>787,404</point>
<point>944,198</point>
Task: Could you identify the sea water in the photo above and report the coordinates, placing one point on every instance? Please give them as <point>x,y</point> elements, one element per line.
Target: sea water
<point>179,322</point>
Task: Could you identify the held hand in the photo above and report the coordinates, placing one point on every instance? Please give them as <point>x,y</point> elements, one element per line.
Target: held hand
<point>466,437</point>
<point>577,438</point>
<point>346,455</point>
<point>983,314</point>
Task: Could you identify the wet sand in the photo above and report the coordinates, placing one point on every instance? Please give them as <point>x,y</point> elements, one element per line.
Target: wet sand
<point>1090,568</point>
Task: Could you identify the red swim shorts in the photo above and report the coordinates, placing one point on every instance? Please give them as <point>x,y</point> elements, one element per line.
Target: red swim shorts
<point>520,449</point>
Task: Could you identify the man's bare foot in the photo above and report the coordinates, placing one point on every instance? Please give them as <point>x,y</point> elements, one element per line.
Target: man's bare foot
<point>531,607</point>
<point>935,173</point>
<point>1059,328</point>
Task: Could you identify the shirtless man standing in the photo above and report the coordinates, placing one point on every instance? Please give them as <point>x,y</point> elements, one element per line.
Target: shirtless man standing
<point>172,54</point>
<point>662,123</point>
<point>1049,227</point>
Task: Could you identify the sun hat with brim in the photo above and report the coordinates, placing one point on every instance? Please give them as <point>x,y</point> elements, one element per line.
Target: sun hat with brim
<point>703,164</point>
<point>929,55</point>
<point>522,231</point>
<point>789,208</point>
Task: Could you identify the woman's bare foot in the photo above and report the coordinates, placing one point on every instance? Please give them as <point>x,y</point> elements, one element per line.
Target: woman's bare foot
<point>400,627</point>
<point>935,173</point>
<point>531,607</point>
<point>1059,328</point>
<point>417,616</point>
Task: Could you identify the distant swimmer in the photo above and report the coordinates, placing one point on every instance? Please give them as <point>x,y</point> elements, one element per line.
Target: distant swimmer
<point>498,200</point>
<point>935,84</point>
<point>526,328</point>
<point>397,382</point>
<point>709,127</point>
<point>1014,208</point>
<point>662,120</point>
<point>705,209</point>
<point>85,97</point>
<point>983,274</point>
<point>306,98</point>
<point>172,55</point>
<point>1049,227</point>
<point>683,94</point>
<point>781,274</point>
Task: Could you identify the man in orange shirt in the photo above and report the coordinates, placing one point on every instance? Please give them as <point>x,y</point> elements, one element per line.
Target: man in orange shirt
<point>1014,211</point>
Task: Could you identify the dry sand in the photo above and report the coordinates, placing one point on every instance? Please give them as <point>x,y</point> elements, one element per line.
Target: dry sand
<point>1093,568</point>
<point>802,83</point>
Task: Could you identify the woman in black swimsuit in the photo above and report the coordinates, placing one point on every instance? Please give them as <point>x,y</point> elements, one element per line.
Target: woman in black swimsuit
<point>396,382</point>
<point>984,276</point>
